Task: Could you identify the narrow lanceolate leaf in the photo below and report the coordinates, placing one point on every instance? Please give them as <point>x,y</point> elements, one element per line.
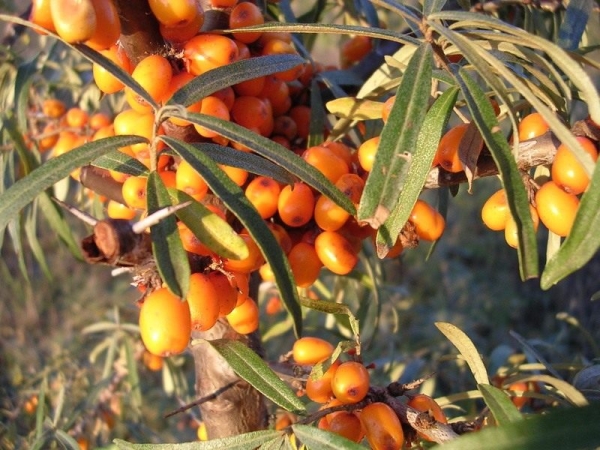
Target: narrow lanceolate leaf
<point>571,393</point>
<point>275,153</point>
<point>502,408</point>
<point>57,222</point>
<point>234,199</point>
<point>332,308</point>
<point>317,439</point>
<point>398,140</point>
<point>562,428</point>
<point>26,189</point>
<point>209,228</point>
<point>216,79</point>
<point>171,258</point>
<point>121,162</point>
<point>239,442</point>
<point>249,366</point>
<point>431,6</point>
<point>355,108</point>
<point>427,143</point>
<point>583,241</point>
<point>483,115</point>
<point>467,349</point>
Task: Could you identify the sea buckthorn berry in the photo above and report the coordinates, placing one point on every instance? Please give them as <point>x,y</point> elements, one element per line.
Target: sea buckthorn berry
<point>249,264</point>
<point>205,52</point>
<point>567,172</point>
<point>223,3</point>
<point>274,305</point>
<point>215,107</point>
<point>556,208</point>
<point>99,120</point>
<point>180,34</point>
<point>204,300</point>
<point>284,126</point>
<point>429,223</point>
<point>106,81</point>
<point>341,150</point>
<point>104,132</point>
<point>174,12</point>
<point>336,252</point>
<point>252,87</point>
<point>519,388</point>
<point>278,94</point>
<point>326,162</point>
<point>424,403</point>
<point>154,74</point>
<point>383,429</point>
<point>190,181</point>
<point>532,126</point>
<point>165,323</point>
<point>511,234</point>
<point>305,264</point>
<point>266,273</point>
<point>301,115</point>
<point>244,15</point>
<point>447,152</point>
<point>74,20</point>
<point>116,210</point>
<point>354,50</point>
<point>350,382</point>
<point>236,174</point>
<point>152,362</point>
<point>282,236</point>
<point>228,295</point>
<point>53,108</point>
<point>244,318</point>
<point>319,389</point>
<point>296,204</point>
<point>134,192</point>
<point>367,152</point>
<point>347,424</point>
<point>250,112</point>
<point>495,212</point>
<point>41,14</point>
<point>108,25</point>
<point>66,142</point>
<point>281,47</point>
<point>329,216</point>
<point>49,137</point>
<point>76,118</point>
<point>263,193</point>
<point>191,243</point>
<point>311,350</point>
<point>177,82</point>
<point>387,108</point>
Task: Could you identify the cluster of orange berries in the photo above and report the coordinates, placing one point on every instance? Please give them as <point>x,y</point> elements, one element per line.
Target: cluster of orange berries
<point>348,383</point>
<point>556,201</point>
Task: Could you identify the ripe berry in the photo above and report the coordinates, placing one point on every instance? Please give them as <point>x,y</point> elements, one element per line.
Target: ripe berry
<point>447,153</point>
<point>310,350</point>
<point>350,383</point>
<point>244,319</point>
<point>296,204</point>
<point>567,172</point>
<point>556,208</point>
<point>382,427</point>
<point>319,390</point>
<point>204,302</point>
<point>429,223</point>
<point>336,252</point>
<point>495,211</point>
<point>205,52</point>
<point>532,126</point>
<point>74,20</point>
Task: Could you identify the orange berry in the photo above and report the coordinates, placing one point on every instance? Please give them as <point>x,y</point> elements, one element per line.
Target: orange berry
<point>180,34</point>
<point>532,126</point>
<point>66,142</point>
<point>567,172</point>
<point>152,362</point>
<point>237,174</point>
<point>252,87</point>
<point>49,137</point>
<point>305,264</point>
<point>116,210</point>
<point>41,14</point>
<point>511,234</point>
<point>495,212</point>
<point>53,108</point>
<point>336,252</point>
<point>252,113</point>
<point>347,424</point>
<point>177,82</point>
<point>174,12</point>
<point>204,302</point>
<point>105,81</point>
<point>191,243</point>
<point>429,223</point>
<point>424,403</point>
<point>134,192</point>
<point>278,93</point>
<point>212,106</point>
<point>350,383</point>
<point>190,181</point>
<point>367,152</point>
<point>319,390</point>
<point>354,50</point>
<point>310,350</point>
<point>519,387</point>
<point>326,161</point>
<point>244,318</point>
<point>223,3</point>
<point>228,295</point>
<point>108,25</point>
<point>273,305</point>
<point>99,120</point>
<point>205,52</point>
<point>154,74</point>
<point>263,193</point>
<point>301,115</point>
<point>76,118</point>
<point>74,20</point>
<point>382,427</point>
<point>556,208</point>
<point>282,236</point>
<point>296,204</point>
<point>244,15</point>
<point>165,323</point>
<point>281,47</point>
<point>447,152</point>
<point>249,264</point>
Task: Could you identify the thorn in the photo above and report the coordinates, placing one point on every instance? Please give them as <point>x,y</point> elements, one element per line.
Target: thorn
<point>156,217</point>
<point>85,217</point>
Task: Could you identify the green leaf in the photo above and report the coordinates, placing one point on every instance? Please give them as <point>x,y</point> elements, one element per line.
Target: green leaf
<point>502,408</point>
<point>234,199</point>
<point>167,248</point>
<point>241,442</point>
<point>26,189</point>
<point>59,225</point>
<point>317,439</point>
<point>398,140</point>
<point>467,349</point>
<point>431,6</point>
<point>249,366</point>
<point>317,115</point>
<point>216,79</point>
<point>135,392</point>
<point>121,162</point>
<point>427,144</point>
<point>332,308</point>
<point>355,108</point>
<point>209,228</point>
<point>484,116</point>
<point>558,429</point>
<point>275,153</point>
<point>583,241</point>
